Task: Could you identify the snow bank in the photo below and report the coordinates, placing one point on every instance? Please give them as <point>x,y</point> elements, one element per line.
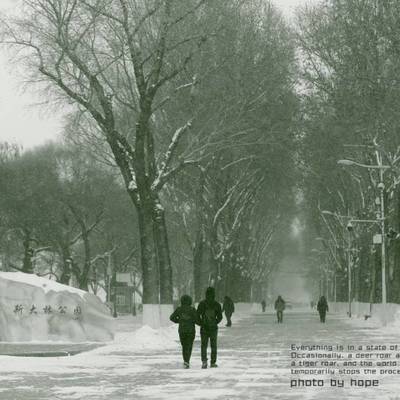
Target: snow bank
<point>375,312</point>
<point>37,309</point>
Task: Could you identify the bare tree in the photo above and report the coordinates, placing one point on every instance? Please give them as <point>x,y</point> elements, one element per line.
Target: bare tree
<point>113,59</point>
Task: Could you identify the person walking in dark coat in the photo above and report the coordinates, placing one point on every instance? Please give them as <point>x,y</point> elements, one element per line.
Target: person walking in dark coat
<point>279,307</point>
<point>228,308</point>
<point>209,315</point>
<point>263,305</point>
<point>322,308</point>
<point>186,317</point>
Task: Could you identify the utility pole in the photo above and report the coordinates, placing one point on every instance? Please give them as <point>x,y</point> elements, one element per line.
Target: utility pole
<point>349,267</point>
<point>349,228</point>
<point>381,220</point>
<point>381,187</point>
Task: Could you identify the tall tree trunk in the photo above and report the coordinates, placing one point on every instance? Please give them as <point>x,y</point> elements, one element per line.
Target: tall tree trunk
<point>198,248</point>
<point>150,273</point>
<point>84,277</point>
<point>66,267</point>
<point>138,168</point>
<point>163,254</point>
<point>27,265</point>
<point>214,261</point>
<point>198,251</point>
<point>357,279</point>
<point>374,263</point>
<point>154,241</point>
<point>164,264</point>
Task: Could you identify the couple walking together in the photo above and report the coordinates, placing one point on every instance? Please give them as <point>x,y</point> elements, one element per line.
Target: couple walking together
<point>208,315</point>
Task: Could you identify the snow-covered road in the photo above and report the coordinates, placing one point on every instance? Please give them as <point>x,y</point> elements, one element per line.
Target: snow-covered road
<point>254,363</point>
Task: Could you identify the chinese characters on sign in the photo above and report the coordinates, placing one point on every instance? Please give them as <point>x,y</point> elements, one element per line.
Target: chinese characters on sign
<point>48,309</point>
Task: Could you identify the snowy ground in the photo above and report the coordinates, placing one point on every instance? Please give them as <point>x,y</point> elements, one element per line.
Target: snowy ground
<point>146,364</point>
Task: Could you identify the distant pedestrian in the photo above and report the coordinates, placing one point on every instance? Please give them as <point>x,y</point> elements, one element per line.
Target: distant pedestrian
<point>312,304</point>
<point>263,305</point>
<point>279,307</point>
<point>228,308</point>
<point>209,315</point>
<point>186,317</point>
<point>322,308</point>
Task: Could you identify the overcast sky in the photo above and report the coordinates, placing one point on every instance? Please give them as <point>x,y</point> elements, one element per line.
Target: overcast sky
<point>28,125</point>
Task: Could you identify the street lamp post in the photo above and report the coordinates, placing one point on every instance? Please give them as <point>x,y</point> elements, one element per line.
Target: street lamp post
<point>381,186</point>
<point>349,228</point>
<point>383,247</point>
<point>349,268</point>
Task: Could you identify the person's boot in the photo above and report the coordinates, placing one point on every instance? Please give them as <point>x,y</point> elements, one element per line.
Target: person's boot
<point>204,365</point>
<point>213,365</point>
<point>186,365</point>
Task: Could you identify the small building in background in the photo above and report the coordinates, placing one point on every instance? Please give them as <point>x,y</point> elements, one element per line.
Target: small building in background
<point>123,293</point>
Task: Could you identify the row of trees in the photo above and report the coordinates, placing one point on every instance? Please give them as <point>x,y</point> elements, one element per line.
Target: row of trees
<point>350,55</point>
<point>63,216</point>
<point>190,106</point>
<point>196,111</point>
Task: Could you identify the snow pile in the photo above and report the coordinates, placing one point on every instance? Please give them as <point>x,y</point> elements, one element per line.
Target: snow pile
<point>37,309</point>
<point>144,338</point>
<point>155,339</point>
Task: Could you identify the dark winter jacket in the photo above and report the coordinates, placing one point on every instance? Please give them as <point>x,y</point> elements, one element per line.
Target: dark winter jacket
<point>186,317</point>
<point>209,312</point>
<point>228,306</point>
<point>280,304</point>
<point>322,305</point>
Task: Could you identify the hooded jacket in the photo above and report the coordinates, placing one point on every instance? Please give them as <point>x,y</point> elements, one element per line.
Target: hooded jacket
<point>185,316</point>
<point>209,312</point>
